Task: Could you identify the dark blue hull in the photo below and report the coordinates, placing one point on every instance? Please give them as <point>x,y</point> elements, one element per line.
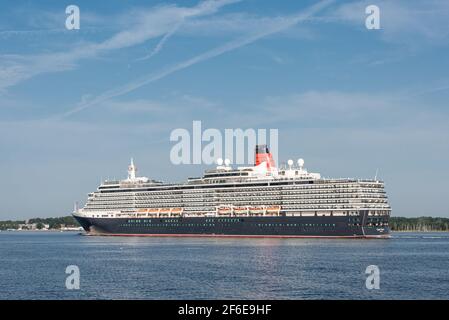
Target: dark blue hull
<point>278,226</point>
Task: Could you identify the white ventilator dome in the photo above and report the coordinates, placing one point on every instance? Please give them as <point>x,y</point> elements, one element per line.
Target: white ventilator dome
<point>290,162</point>
<point>220,161</point>
<point>227,162</point>
<point>301,162</point>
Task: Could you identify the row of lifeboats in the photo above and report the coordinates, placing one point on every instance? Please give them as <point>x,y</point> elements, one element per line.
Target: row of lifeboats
<point>248,210</point>
<point>220,210</point>
<point>159,211</point>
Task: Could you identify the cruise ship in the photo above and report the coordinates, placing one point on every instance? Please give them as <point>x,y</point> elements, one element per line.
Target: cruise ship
<point>256,201</point>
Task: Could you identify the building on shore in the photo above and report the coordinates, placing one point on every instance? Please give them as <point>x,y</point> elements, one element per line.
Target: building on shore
<point>33,226</point>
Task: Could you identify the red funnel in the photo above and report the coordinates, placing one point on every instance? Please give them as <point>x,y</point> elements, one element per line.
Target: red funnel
<point>263,154</point>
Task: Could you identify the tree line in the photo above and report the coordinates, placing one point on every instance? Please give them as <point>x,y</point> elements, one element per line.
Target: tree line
<point>54,223</point>
<point>419,224</point>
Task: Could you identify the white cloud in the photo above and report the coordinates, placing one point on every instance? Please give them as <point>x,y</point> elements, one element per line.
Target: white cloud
<point>232,24</point>
<point>16,68</point>
<point>283,24</point>
<point>315,105</point>
<point>146,24</point>
<point>170,109</point>
<point>340,109</point>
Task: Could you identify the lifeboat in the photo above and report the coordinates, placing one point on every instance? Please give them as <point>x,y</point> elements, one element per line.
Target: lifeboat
<point>257,209</point>
<point>142,212</point>
<point>224,210</point>
<point>177,211</point>
<point>240,210</point>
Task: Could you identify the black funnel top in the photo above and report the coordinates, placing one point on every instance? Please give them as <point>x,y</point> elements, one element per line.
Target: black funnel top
<point>262,148</point>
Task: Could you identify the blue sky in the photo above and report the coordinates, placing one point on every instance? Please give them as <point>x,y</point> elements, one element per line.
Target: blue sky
<point>76,105</point>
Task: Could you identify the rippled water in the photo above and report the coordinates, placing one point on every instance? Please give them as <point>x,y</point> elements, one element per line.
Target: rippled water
<point>32,266</point>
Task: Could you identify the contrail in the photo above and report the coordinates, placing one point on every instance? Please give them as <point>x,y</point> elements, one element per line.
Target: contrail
<point>161,43</point>
<point>169,34</point>
<point>289,22</point>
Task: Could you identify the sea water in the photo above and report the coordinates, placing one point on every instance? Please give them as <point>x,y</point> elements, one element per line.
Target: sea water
<point>33,266</point>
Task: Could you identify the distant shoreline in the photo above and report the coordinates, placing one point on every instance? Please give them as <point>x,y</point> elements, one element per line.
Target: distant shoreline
<point>40,224</point>
<point>419,224</point>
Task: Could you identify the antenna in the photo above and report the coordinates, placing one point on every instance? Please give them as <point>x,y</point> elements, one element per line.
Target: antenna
<point>300,163</point>
<point>377,171</point>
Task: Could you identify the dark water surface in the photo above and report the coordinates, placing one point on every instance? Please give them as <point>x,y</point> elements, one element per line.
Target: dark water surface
<point>33,264</point>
